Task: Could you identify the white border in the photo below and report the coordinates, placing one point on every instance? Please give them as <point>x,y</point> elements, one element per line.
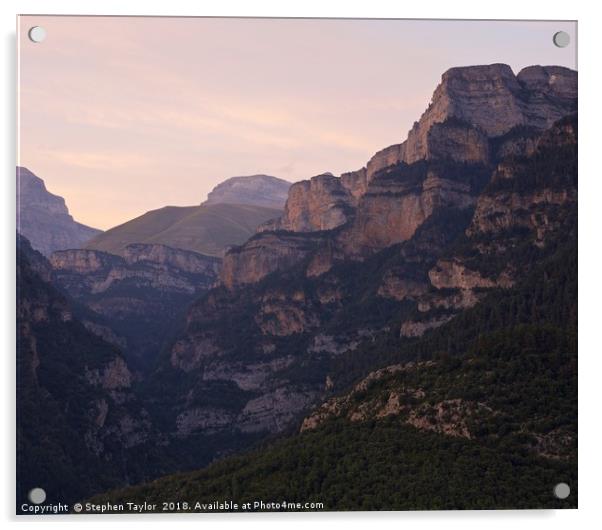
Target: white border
<point>590,365</point>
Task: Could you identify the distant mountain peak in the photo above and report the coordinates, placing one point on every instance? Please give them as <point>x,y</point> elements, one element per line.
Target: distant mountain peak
<point>32,190</point>
<point>44,218</point>
<point>256,190</point>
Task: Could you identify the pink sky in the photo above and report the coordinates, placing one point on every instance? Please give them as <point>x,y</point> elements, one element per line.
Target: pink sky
<point>125,115</point>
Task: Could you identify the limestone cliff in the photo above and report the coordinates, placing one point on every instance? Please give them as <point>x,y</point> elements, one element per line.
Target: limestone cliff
<point>132,300</point>
<point>494,100</point>
<point>266,253</point>
<point>479,116</point>
<point>490,100</point>
<point>321,203</point>
<point>157,266</point>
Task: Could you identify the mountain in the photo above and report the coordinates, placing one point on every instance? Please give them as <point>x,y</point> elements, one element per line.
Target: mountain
<point>43,218</point>
<point>484,418</point>
<point>231,214</point>
<point>255,190</point>
<point>402,336</point>
<point>315,300</point>
<point>207,229</point>
<point>478,115</point>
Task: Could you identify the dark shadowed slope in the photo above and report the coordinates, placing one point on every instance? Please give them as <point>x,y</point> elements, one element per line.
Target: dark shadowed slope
<point>76,415</point>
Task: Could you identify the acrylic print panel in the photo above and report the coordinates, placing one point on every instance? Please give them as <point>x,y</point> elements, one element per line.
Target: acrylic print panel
<point>296,265</point>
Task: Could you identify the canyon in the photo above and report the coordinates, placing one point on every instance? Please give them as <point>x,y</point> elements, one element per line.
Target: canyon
<point>288,327</point>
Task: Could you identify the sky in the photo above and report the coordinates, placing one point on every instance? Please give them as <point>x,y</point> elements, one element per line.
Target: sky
<point>123,115</point>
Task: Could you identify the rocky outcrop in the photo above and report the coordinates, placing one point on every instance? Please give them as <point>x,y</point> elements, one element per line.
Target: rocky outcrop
<point>453,274</point>
<point>281,315</point>
<point>411,328</point>
<point>352,406</point>
<point>396,204</point>
<point>508,210</point>
<point>458,299</point>
<point>451,417</point>
<point>156,266</point>
<point>247,376</point>
<point>491,101</point>
<point>333,345</point>
<point>43,218</point>
<point>459,141</point>
<point>208,420</point>
<point>321,203</point>
<point>273,411</point>
<point>356,182</point>
<point>135,298</point>
<point>385,158</point>
<point>494,100</point>
<point>115,375</point>
<point>264,254</point>
<point>395,284</point>
<point>256,190</point>
<point>532,192</point>
<point>519,141</point>
<point>549,93</point>
<point>412,405</point>
<point>399,201</point>
<point>170,258</point>
<point>188,355</point>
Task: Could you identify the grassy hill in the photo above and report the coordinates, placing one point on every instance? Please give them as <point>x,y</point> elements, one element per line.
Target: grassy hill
<point>208,228</point>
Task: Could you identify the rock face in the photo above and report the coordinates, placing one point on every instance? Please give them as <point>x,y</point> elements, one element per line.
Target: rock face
<point>321,203</point>
<point>356,182</point>
<point>397,202</point>
<point>520,197</point>
<point>492,99</point>
<point>459,141</point>
<point>255,190</point>
<point>43,218</point>
<point>135,298</point>
<point>400,199</point>
<point>470,106</point>
<point>157,266</point>
<point>264,254</point>
<point>479,116</point>
<point>453,274</point>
